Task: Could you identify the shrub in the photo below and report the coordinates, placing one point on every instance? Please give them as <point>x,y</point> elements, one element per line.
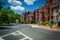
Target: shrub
<point>23,21</point>
<point>58,23</point>
<point>6,25</point>
<point>40,23</point>
<point>50,22</point>
<point>33,21</point>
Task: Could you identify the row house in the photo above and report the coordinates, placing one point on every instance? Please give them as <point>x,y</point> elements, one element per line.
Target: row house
<point>27,16</point>
<point>56,12</point>
<point>50,9</point>
<point>36,15</point>
<point>45,15</point>
<point>41,14</point>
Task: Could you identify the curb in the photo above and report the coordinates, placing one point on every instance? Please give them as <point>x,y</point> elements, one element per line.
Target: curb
<point>45,27</point>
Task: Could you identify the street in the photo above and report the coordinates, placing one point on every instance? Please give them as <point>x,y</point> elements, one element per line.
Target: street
<point>27,32</point>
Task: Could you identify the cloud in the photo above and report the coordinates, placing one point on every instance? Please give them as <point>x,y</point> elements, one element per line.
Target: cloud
<point>17,8</point>
<point>15,2</point>
<point>16,5</point>
<point>29,2</point>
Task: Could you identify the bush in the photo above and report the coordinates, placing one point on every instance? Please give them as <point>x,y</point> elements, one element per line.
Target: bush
<point>58,23</point>
<point>50,22</point>
<point>33,21</point>
<point>45,23</point>
<point>6,25</point>
<point>58,26</point>
<point>23,22</point>
<point>40,23</point>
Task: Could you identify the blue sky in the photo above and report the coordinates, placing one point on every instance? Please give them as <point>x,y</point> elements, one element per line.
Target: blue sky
<point>20,6</point>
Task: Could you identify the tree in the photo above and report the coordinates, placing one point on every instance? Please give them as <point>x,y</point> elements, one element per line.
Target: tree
<point>4,16</point>
<point>8,16</point>
<point>1,5</point>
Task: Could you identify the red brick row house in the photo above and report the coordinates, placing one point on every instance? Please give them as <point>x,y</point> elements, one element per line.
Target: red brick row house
<point>43,14</point>
<point>36,15</point>
<point>27,16</point>
<point>47,11</point>
<point>56,12</point>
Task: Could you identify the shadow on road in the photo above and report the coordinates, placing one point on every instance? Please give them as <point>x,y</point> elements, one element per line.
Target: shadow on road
<point>3,28</point>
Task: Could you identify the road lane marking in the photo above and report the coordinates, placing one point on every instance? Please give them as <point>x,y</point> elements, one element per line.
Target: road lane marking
<point>23,35</point>
<point>34,26</point>
<point>1,38</point>
<point>5,35</point>
<point>18,33</point>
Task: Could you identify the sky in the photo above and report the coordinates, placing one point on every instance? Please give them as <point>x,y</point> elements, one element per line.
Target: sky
<point>20,6</point>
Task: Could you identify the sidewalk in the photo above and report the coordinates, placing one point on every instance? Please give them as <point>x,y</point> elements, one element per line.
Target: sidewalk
<point>47,27</point>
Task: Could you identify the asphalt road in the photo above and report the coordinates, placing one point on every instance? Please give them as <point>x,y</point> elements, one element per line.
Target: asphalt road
<point>27,32</point>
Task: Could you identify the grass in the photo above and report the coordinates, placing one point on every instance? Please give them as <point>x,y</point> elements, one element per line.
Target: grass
<point>6,25</point>
<point>58,26</point>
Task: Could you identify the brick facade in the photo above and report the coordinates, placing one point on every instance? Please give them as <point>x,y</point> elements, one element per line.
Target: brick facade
<point>28,16</point>
<point>43,14</point>
<point>36,15</point>
<point>56,11</point>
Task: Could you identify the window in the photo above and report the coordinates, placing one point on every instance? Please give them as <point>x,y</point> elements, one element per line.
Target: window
<point>48,10</point>
<point>59,13</point>
<point>51,17</point>
<point>57,17</point>
<point>56,10</point>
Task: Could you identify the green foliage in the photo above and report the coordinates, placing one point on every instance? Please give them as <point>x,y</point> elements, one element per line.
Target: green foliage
<point>58,23</point>
<point>45,23</point>
<point>1,5</point>
<point>4,17</point>
<point>5,25</point>
<point>32,21</point>
<point>8,16</point>
<point>58,26</point>
<point>40,23</point>
<point>49,23</point>
<point>22,21</point>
